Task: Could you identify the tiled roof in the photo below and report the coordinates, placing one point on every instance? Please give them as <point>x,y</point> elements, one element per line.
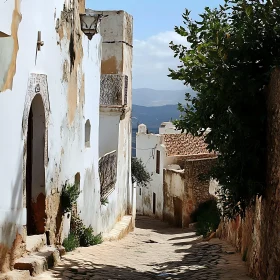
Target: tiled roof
<point>185,144</point>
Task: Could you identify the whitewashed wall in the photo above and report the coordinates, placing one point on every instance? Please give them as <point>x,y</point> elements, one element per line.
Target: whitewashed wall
<point>72,100</point>
<point>116,30</point>
<point>168,128</point>
<point>146,147</point>
<point>66,151</point>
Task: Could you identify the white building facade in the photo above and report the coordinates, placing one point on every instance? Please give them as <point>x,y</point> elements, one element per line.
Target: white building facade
<point>51,120</point>
<point>151,150</point>
<point>174,190</point>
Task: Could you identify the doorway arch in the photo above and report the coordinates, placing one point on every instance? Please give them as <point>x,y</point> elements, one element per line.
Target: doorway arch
<point>35,168</point>
<point>35,152</point>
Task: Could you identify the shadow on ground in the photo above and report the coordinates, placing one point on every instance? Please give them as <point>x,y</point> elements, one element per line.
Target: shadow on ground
<point>195,260</point>
<point>198,263</point>
<point>157,226</point>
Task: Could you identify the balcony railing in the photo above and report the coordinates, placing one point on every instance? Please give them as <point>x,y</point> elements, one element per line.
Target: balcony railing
<point>107,174</point>
<point>113,90</point>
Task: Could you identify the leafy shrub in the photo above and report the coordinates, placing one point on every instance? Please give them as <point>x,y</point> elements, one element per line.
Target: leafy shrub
<point>89,239</point>
<point>84,234</point>
<point>79,235</point>
<point>139,172</point>
<point>69,196</point>
<point>207,217</point>
<point>71,242</point>
<point>98,239</point>
<point>104,201</point>
<point>76,225</point>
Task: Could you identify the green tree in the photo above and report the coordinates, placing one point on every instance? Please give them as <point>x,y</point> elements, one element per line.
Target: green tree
<point>139,173</point>
<point>228,58</point>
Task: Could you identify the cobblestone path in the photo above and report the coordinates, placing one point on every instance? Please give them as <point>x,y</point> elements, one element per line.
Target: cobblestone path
<point>152,251</point>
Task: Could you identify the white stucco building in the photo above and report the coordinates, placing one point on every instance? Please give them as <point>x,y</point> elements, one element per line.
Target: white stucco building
<point>65,106</point>
<point>174,161</point>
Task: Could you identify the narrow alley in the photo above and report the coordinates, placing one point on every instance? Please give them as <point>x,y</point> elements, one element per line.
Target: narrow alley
<point>153,251</point>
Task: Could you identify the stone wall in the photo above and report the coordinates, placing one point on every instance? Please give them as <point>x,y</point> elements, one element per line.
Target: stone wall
<point>257,235</point>
<point>196,189</point>
<point>184,190</point>
<point>245,235</point>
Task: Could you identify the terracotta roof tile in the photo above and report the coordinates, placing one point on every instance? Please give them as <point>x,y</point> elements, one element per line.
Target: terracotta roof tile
<point>185,144</point>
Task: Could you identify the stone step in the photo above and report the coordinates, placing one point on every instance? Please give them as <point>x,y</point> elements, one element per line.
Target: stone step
<point>35,242</point>
<point>120,230</point>
<point>40,261</point>
<point>16,275</point>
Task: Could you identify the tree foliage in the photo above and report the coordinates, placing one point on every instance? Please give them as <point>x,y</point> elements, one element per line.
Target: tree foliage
<point>69,196</point>
<point>228,58</point>
<point>206,217</point>
<point>139,173</point>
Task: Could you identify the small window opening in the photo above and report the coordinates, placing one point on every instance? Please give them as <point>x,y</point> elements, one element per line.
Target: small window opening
<point>140,191</point>
<point>78,179</point>
<point>87,134</point>
<point>158,162</point>
<point>154,203</point>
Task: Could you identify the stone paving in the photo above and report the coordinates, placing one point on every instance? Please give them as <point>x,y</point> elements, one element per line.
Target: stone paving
<point>152,251</point>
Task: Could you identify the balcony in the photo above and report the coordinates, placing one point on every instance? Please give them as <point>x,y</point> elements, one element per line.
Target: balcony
<point>113,90</point>
<point>107,174</point>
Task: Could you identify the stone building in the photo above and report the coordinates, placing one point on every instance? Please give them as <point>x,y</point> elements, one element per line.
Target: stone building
<point>65,73</point>
<point>175,162</point>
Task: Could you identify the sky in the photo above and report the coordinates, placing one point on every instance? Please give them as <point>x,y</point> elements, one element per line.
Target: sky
<point>154,22</point>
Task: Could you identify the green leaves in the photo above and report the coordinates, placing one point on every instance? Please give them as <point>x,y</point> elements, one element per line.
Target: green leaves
<point>231,52</point>
<point>139,172</point>
<point>69,196</point>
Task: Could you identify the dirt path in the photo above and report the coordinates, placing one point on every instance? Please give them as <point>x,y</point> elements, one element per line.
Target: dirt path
<point>152,251</point>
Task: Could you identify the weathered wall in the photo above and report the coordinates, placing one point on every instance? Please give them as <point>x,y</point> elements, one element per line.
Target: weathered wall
<point>146,147</point>
<point>73,82</point>
<point>115,126</point>
<point>257,235</point>
<point>173,191</point>
<point>183,190</point>
<point>245,235</point>
<point>108,132</point>
<point>167,200</point>
<point>196,190</point>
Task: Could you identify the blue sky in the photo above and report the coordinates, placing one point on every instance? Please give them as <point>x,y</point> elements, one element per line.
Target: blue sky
<point>154,22</point>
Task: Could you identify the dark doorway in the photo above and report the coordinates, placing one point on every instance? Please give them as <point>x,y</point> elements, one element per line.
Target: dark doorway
<point>30,222</point>
<point>154,203</point>
<point>35,169</point>
<point>178,205</point>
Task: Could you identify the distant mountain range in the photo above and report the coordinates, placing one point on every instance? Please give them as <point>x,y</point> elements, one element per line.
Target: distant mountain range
<point>153,116</point>
<point>152,107</point>
<point>150,97</point>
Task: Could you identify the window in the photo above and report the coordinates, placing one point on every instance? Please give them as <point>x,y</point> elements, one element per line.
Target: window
<point>140,191</point>
<point>158,162</point>
<point>87,134</point>
<point>154,203</point>
<point>78,179</point>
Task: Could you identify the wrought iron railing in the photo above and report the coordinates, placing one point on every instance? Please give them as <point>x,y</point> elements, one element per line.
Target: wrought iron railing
<point>107,174</point>
<point>113,90</point>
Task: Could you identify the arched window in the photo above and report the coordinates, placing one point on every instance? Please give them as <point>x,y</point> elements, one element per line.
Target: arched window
<point>78,179</point>
<point>87,134</point>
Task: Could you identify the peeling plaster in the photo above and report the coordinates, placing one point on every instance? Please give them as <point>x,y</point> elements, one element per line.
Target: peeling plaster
<point>69,26</point>
<point>14,34</point>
